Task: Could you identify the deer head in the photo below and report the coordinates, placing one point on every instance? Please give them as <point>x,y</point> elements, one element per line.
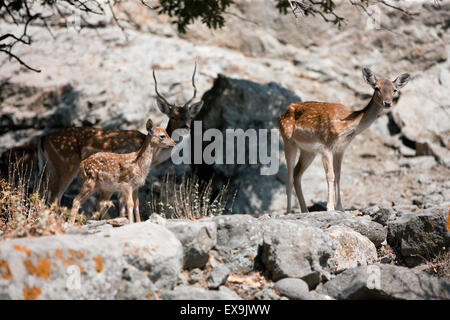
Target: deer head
<point>180,117</point>
<point>385,90</point>
<point>159,136</point>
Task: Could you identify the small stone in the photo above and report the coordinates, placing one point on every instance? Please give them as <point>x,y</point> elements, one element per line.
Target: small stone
<point>421,234</point>
<point>267,294</point>
<point>156,218</point>
<point>218,276</point>
<point>195,275</point>
<point>292,288</point>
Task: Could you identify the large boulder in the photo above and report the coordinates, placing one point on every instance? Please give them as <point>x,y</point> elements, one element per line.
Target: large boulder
<point>353,249</point>
<point>239,238</point>
<point>362,224</point>
<point>293,250</point>
<point>423,113</point>
<point>107,265</point>
<point>419,235</point>
<point>243,104</point>
<point>386,282</point>
<point>197,238</point>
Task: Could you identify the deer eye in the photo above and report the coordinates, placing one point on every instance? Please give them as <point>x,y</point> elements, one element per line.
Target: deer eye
<point>162,136</point>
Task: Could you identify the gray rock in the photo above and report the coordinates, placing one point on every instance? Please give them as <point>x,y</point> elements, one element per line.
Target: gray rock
<point>238,240</point>
<point>402,209</point>
<point>379,214</point>
<point>423,120</point>
<point>353,249</point>
<point>218,276</point>
<point>196,275</point>
<point>135,285</point>
<point>197,238</point>
<point>196,293</point>
<point>422,162</point>
<point>313,295</point>
<point>91,266</point>
<point>362,224</point>
<point>370,229</point>
<point>183,279</point>
<point>157,219</point>
<point>383,281</point>
<point>295,289</point>
<point>267,294</point>
<point>402,202</point>
<point>418,234</point>
<point>292,250</point>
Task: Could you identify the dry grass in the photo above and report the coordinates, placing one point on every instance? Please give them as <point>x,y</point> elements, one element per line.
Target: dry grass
<point>23,209</point>
<point>190,198</point>
<point>440,265</point>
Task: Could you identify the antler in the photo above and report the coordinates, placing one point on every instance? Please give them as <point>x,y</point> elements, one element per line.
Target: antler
<point>193,84</point>
<point>156,90</point>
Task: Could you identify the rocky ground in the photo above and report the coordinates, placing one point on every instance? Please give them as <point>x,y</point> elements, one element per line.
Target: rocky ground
<point>395,179</point>
<point>320,255</point>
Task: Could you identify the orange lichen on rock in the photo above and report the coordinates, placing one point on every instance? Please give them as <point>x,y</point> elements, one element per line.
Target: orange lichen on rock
<point>41,269</point>
<point>75,254</point>
<point>59,254</point>
<point>22,249</point>
<point>31,293</point>
<point>5,272</point>
<point>73,257</point>
<point>98,263</point>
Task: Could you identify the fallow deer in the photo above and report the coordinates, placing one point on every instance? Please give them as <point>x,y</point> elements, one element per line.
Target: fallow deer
<point>125,173</point>
<point>328,128</point>
<point>62,151</point>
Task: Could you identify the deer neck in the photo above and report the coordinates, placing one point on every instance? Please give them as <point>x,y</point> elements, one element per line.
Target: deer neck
<point>145,154</point>
<point>365,117</point>
<point>170,128</point>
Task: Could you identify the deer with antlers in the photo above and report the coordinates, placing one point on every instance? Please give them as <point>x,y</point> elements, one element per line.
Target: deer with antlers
<point>110,172</point>
<point>328,128</point>
<point>61,152</point>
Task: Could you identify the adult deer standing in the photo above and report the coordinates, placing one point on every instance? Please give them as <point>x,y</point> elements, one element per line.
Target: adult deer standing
<point>62,151</point>
<point>328,128</point>
<point>125,173</point>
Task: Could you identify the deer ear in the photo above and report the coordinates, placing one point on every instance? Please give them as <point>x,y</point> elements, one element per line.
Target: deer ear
<point>195,108</point>
<point>150,127</point>
<point>369,76</point>
<point>163,106</point>
<point>401,81</point>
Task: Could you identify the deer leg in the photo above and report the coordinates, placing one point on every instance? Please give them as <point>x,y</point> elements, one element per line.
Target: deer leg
<point>103,196</point>
<point>136,204</point>
<point>60,184</point>
<point>337,162</point>
<point>290,153</point>
<point>305,160</point>
<point>87,189</point>
<point>327,159</point>
<point>128,195</point>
